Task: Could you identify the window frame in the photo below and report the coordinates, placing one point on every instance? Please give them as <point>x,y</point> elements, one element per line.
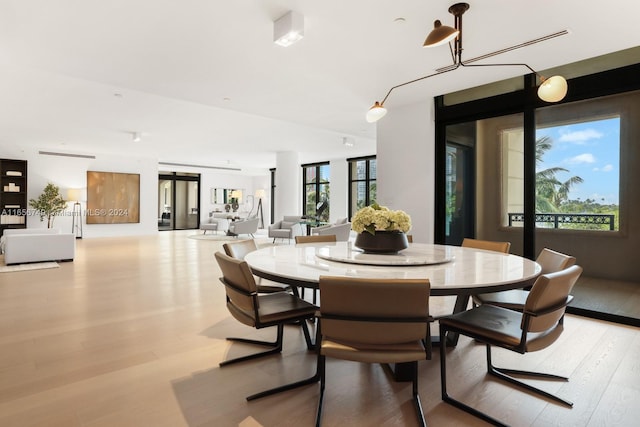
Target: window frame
<point>317,184</point>
<point>367,180</point>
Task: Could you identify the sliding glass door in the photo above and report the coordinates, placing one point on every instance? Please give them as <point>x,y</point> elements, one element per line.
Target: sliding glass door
<point>178,201</point>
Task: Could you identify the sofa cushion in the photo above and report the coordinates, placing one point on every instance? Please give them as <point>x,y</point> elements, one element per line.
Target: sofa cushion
<point>11,231</point>
<point>287,224</point>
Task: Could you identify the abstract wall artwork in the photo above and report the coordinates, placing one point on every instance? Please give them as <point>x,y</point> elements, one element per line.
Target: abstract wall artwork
<point>113,198</point>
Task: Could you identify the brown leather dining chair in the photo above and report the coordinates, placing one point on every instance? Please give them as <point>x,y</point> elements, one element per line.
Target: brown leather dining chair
<point>550,261</point>
<point>536,328</point>
<point>370,321</point>
<point>486,244</point>
<point>260,310</point>
<point>239,250</point>
<point>316,238</point>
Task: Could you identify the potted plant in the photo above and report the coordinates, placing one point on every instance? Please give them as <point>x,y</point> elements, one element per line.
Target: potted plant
<point>49,204</point>
<point>380,229</point>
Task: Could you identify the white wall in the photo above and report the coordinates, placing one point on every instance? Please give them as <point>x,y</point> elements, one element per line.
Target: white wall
<point>405,158</point>
<point>68,172</point>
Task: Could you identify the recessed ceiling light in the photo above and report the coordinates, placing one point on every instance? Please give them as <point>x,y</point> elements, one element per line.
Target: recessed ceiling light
<point>400,20</point>
<point>117,95</point>
<point>226,99</point>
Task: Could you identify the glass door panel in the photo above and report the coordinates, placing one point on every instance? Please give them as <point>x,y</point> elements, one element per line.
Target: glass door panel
<point>460,188</point>
<point>165,203</point>
<point>484,182</point>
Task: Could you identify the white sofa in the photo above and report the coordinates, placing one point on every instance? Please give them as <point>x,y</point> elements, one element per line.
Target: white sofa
<point>37,244</point>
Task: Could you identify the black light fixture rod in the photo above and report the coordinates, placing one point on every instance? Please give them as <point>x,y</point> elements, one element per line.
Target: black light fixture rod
<point>465,64</point>
<point>517,46</point>
<point>417,80</point>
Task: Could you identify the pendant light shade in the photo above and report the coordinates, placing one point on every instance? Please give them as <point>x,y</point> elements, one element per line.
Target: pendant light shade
<point>376,112</point>
<point>440,35</point>
<point>553,89</point>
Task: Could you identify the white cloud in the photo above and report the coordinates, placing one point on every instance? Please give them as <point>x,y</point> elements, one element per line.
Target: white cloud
<point>606,168</point>
<point>581,136</point>
<point>582,158</point>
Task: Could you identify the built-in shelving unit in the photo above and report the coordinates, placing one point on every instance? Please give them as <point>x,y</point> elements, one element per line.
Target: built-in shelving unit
<point>13,194</point>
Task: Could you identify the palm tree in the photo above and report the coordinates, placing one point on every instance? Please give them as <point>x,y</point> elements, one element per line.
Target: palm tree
<point>550,192</point>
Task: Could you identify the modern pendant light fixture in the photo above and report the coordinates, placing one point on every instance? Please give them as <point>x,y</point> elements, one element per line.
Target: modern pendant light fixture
<point>552,89</point>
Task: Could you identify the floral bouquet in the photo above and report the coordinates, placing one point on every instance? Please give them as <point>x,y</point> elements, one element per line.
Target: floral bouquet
<point>380,218</point>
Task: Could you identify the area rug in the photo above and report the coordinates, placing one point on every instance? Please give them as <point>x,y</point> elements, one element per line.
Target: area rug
<point>214,237</point>
<point>27,267</point>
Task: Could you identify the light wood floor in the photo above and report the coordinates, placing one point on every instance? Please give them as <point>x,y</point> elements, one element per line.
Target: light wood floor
<point>132,331</point>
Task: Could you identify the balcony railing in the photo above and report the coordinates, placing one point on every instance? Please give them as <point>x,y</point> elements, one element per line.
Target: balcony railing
<point>556,219</point>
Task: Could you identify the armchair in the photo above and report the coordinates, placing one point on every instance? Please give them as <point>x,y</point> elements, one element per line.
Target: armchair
<point>341,229</point>
<point>287,228</point>
<point>536,328</point>
<point>246,226</point>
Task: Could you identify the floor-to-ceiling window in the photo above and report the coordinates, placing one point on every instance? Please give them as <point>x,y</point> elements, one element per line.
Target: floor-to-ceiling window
<point>315,183</point>
<point>548,175</point>
<point>362,183</point>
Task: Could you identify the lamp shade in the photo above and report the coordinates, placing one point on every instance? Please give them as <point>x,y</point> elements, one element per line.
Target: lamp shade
<point>441,34</point>
<point>376,112</point>
<point>260,193</point>
<point>553,89</point>
<point>73,194</point>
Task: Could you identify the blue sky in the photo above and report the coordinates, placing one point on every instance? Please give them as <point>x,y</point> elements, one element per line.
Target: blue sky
<point>590,150</point>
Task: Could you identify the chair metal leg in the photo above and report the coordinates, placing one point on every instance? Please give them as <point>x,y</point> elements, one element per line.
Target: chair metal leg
<point>502,374</point>
<point>450,400</point>
<point>322,375</point>
<point>311,380</point>
<point>277,347</point>
<point>416,396</point>
<point>307,335</point>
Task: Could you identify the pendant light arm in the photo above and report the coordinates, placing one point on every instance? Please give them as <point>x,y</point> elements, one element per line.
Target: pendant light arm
<point>540,76</point>
<point>417,80</point>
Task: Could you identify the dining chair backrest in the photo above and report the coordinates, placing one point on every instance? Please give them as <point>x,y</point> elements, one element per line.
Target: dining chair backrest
<point>487,245</point>
<point>240,287</point>
<point>350,305</point>
<point>239,249</point>
<point>549,290</point>
<point>552,261</point>
<point>317,238</point>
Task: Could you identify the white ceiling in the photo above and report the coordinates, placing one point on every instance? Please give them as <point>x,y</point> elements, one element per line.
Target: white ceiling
<point>82,75</point>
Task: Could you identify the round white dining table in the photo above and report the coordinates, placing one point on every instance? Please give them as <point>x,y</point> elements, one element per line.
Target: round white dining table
<point>451,270</point>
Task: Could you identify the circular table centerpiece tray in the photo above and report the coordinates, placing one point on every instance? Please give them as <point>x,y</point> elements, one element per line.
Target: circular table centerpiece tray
<point>414,255</point>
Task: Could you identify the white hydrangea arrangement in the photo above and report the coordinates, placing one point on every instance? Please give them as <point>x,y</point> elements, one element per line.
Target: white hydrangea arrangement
<point>380,218</point>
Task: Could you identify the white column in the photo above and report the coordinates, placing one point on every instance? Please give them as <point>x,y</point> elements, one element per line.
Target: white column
<point>405,157</point>
<point>288,194</point>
